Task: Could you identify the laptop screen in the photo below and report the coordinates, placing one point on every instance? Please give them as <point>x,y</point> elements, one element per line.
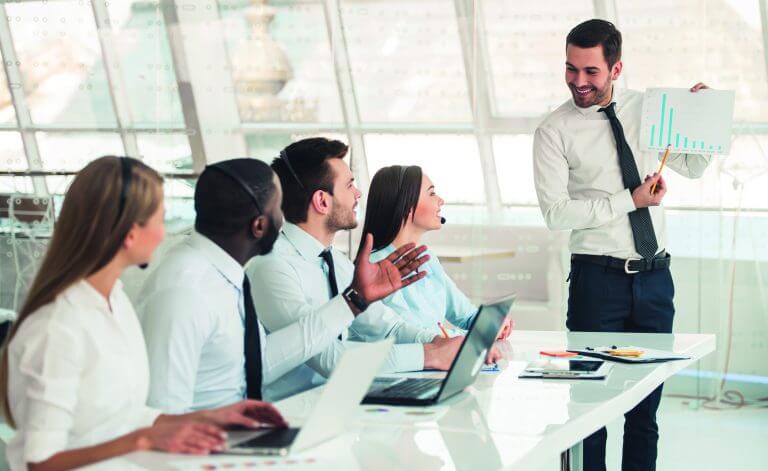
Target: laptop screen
<point>480,337</point>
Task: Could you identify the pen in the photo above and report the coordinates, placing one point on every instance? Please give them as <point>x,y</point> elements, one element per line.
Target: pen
<point>442,329</point>
<point>661,167</point>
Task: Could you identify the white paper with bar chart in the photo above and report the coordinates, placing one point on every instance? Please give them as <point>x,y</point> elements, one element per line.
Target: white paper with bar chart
<point>688,122</point>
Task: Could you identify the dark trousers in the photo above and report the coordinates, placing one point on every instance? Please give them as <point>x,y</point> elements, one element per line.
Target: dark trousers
<point>602,299</point>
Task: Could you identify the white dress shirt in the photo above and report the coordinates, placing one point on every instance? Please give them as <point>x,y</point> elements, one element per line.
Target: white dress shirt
<point>78,375</point>
<point>578,177</point>
<point>292,283</point>
<point>192,311</point>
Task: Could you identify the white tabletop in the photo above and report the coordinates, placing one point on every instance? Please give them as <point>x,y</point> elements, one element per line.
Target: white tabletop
<point>500,422</point>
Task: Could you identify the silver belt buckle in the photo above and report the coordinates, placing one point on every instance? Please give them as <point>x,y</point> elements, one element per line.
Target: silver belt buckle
<point>626,266</point>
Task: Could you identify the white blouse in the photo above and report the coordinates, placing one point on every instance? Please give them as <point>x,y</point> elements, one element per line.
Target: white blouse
<point>78,375</point>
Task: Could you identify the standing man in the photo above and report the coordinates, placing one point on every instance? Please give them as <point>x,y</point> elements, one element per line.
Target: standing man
<point>587,168</point>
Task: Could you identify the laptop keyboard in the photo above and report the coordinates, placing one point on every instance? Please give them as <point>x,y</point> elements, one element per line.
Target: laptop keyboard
<point>410,388</point>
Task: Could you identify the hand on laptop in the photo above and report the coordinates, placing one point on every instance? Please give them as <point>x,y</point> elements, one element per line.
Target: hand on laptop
<point>439,354</point>
<point>247,413</point>
<point>188,436</point>
<point>374,281</point>
<point>506,328</point>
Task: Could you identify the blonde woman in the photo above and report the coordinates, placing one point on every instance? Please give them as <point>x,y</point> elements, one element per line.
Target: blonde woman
<point>74,375</point>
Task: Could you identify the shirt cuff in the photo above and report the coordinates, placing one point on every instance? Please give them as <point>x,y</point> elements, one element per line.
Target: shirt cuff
<point>340,315</point>
<point>622,202</point>
<point>407,357</point>
<point>39,445</point>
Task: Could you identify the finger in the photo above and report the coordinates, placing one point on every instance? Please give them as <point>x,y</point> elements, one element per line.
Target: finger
<point>412,279</point>
<point>402,250</point>
<point>201,443</point>
<point>409,256</point>
<point>365,251</point>
<point>210,430</point>
<point>268,414</point>
<point>413,265</point>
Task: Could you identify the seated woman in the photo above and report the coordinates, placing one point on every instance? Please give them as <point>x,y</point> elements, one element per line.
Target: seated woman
<point>74,376</point>
<point>402,206</point>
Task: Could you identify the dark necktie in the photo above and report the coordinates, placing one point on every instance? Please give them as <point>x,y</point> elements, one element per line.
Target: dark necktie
<point>328,259</point>
<point>252,346</point>
<point>639,219</point>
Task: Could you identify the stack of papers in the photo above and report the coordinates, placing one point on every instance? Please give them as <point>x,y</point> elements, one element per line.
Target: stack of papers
<point>628,354</point>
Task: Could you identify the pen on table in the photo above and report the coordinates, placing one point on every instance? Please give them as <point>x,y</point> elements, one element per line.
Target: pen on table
<point>442,329</point>
<point>661,167</point>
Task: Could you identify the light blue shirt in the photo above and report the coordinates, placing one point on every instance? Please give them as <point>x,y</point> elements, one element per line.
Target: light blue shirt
<point>433,299</point>
<point>291,283</point>
<point>192,312</point>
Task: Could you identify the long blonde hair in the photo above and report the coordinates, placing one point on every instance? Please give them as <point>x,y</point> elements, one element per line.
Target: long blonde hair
<point>89,232</point>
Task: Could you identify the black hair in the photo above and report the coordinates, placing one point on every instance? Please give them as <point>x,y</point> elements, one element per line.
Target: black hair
<point>303,169</point>
<point>597,32</point>
<point>392,197</point>
<point>223,203</point>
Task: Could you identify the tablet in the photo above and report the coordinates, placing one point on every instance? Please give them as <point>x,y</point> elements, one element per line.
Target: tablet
<point>562,368</point>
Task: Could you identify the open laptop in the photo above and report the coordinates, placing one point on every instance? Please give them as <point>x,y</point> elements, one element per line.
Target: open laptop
<point>331,414</point>
<point>426,391</point>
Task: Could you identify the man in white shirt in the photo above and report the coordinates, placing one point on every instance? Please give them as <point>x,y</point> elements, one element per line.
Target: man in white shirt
<point>205,341</point>
<point>305,274</point>
<point>587,169</point>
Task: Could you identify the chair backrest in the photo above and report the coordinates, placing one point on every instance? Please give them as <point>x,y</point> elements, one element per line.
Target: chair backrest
<point>28,209</point>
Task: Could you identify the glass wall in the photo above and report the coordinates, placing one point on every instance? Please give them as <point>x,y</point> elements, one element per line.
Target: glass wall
<point>456,86</point>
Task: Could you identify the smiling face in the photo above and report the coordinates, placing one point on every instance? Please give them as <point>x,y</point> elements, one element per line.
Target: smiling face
<point>588,75</point>
<point>426,216</point>
<point>343,213</point>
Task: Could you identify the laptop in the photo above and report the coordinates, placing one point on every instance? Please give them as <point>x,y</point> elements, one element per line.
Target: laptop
<point>331,414</point>
<point>465,368</point>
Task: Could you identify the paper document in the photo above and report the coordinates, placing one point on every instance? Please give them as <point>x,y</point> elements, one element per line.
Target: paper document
<point>628,354</point>
<point>688,122</point>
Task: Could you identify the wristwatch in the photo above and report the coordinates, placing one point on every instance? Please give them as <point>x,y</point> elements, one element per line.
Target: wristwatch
<point>355,299</point>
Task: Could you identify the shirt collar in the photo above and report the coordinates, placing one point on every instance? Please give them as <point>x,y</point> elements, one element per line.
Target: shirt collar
<point>83,295</point>
<point>224,263</point>
<point>594,109</point>
<point>307,246</point>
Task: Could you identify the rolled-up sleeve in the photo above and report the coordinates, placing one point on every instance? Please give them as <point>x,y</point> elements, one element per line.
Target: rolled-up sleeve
<point>50,365</point>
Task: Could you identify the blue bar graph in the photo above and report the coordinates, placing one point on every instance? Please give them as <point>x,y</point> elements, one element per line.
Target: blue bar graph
<point>666,124</point>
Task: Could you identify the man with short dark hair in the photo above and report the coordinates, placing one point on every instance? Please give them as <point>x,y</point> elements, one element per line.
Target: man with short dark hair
<point>305,273</point>
<point>587,168</point>
<point>205,341</point>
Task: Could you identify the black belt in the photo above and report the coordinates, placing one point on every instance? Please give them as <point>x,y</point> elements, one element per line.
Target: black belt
<point>629,265</point>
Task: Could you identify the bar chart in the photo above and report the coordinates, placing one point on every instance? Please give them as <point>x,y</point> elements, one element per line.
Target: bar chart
<point>688,122</point>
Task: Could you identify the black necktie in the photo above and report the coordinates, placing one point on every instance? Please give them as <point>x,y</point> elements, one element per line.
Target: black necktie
<point>252,345</point>
<point>328,259</point>
<point>639,219</point>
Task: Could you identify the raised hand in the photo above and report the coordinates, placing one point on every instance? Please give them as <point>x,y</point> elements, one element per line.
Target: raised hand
<point>374,281</point>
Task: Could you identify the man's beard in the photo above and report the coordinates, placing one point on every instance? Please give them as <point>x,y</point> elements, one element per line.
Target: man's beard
<point>341,219</point>
<point>599,94</point>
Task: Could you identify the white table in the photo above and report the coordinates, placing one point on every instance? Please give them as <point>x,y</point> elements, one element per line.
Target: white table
<point>501,422</point>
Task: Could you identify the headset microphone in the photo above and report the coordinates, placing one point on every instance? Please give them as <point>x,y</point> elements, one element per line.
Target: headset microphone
<point>144,266</point>
<point>442,220</point>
